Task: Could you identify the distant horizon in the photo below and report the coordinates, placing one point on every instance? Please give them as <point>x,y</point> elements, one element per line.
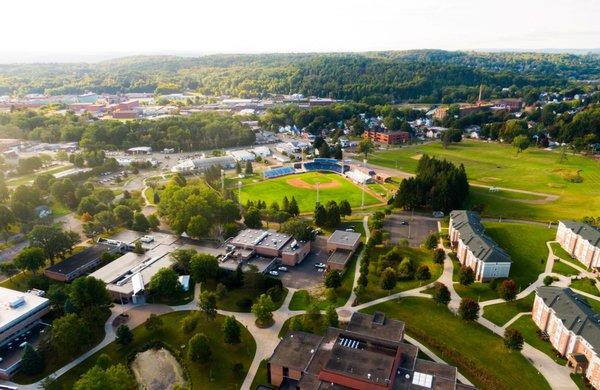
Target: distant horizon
<point>19,58</point>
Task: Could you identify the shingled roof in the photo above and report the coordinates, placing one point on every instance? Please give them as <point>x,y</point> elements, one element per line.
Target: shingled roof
<point>472,233</point>
<point>587,232</point>
<point>574,311</point>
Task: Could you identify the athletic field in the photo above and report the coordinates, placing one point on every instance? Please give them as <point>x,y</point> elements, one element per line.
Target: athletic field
<point>304,187</point>
<point>535,170</point>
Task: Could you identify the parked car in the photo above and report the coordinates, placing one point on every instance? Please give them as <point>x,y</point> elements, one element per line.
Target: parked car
<point>274,273</point>
<point>438,214</point>
<point>321,265</point>
<point>403,222</point>
<point>147,239</point>
<point>284,269</point>
<point>350,230</point>
<point>320,269</point>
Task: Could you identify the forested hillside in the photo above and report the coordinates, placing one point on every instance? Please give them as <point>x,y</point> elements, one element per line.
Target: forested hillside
<point>420,76</point>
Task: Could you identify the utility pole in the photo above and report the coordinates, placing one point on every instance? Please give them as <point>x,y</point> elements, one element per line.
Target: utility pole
<point>362,202</point>
<point>317,183</point>
<point>222,182</point>
<point>240,195</point>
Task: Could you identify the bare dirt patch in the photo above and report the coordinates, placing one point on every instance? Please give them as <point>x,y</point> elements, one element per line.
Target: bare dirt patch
<point>417,157</point>
<point>157,369</point>
<point>299,183</point>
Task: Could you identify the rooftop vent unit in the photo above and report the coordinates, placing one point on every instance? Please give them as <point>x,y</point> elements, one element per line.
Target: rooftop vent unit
<point>18,301</point>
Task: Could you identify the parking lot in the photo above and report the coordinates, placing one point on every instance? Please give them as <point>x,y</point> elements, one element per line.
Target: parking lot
<point>415,228</point>
<point>305,275</point>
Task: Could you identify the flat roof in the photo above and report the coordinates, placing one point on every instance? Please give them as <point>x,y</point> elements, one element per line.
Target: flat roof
<point>376,325</point>
<point>342,237</point>
<point>30,304</point>
<point>340,256</point>
<point>81,259</point>
<point>295,350</point>
<point>259,238</point>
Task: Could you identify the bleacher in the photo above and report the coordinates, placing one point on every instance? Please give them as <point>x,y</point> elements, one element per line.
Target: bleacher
<point>325,164</point>
<point>277,172</point>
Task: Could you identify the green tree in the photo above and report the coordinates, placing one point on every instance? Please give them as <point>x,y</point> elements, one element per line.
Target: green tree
<point>333,279</point>
<point>252,218</point>
<point>298,228</point>
<point>423,273</point>
<point>333,214</point>
<point>507,290</point>
<point>320,216</point>
<point>70,335</point>
<point>431,241</point>
<point>199,348</point>
<point>198,227</point>
<point>207,303</point>
<point>248,170</point>
<point>232,332</point>
<point>7,218</point>
<point>513,339</point>
<point>263,309</point>
<point>140,222</point>
<point>293,209</point>
<point>238,167</point>
<point>115,377</point>
<point>365,147</point>
<point>521,142</point>
<point>548,280</point>
<point>124,335</point>
<point>30,259</point>
<point>53,240</point>
<point>441,294</point>
<point>164,283</point>
<point>345,209</point>
<point>438,256</point>
<point>88,293</point>
<point>182,259</point>
<point>31,361</point>
<point>468,309</point>
<point>388,279</point>
<point>466,275</point>
<point>331,317</point>
<point>124,215</point>
<point>153,323</point>
<point>204,267</point>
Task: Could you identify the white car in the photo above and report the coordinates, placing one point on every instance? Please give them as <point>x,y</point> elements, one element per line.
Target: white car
<point>320,265</point>
<point>274,273</point>
<point>284,269</point>
<point>147,239</point>
<point>320,269</point>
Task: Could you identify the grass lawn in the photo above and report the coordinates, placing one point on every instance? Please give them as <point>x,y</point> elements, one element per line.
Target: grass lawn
<point>563,268</point>
<point>303,188</point>
<point>526,245</point>
<point>496,164</point>
<point>317,328</point>
<point>595,304</point>
<point>302,299</point>
<point>419,257</point>
<point>180,298</point>
<point>217,374</point>
<point>230,301</point>
<point>586,285</point>
<point>501,313</point>
<point>478,353</point>
<point>529,330</point>
<point>580,381</point>
<point>149,192</point>
<point>564,255</point>
<point>26,179</point>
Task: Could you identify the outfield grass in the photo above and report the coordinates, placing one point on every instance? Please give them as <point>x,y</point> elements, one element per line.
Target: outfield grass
<point>419,257</point>
<point>585,285</point>
<point>526,245</point>
<point>478,353</point>
<point>501,313</point>
<point>217,374</point>
<point>332,187</point>
<point>496,164</point>
<point>529,331</point>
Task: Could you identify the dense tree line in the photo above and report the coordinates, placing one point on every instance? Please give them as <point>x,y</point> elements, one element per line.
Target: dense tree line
<point>426,75</point>
<point>207,130</point>
<point>437,185</point>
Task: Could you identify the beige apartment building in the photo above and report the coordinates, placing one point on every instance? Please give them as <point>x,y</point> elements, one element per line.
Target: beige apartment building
<point>581,240</point>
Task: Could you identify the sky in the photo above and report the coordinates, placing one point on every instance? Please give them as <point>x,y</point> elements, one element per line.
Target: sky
<point>62,29</point>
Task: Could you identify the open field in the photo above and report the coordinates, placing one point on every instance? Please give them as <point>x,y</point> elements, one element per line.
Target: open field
<point>495,164</point>
<point>478,353</point>
<point>217,374</point>
<point>303,187</point>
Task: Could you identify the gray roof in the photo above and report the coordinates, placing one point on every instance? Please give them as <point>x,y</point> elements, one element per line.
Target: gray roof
<point>574,311</point>
<point>587,232</point>
<point>472,233</point>
<point>342,237</point>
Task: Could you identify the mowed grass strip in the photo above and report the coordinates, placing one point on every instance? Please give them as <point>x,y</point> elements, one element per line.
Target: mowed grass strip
<point>501,313</point>
<point>478,353</point>
<point>332,187</point>
<point>217,374</point>
<point>496,164</point>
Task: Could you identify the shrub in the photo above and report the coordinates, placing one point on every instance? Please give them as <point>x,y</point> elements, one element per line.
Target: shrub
<point>423,273</point>
<point>466,275</point>
<point>508,290</point>
<point>548,280</point>
<point>468,309</point>
<point>438,256</point>
<point>244,304</point>
<point>441,294</point>
<point>513,339</point>
<point>188,324</point>
<point>431,241</point>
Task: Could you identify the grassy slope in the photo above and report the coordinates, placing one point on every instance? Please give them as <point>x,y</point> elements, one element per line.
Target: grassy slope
<point>529,330</point>
<point>585,285</point>
<point>223,355</point>
<point>497,165</point>
<point>479,354</point>
<point>275,189</point>
<point>501,313</point>
<point>419,256</point>
<point>563,268</point>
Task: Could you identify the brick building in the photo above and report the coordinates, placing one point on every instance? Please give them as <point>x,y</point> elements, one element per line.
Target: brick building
<point>388,137</point>
<point>581,240</point>
<point>269,243</point>
<point>368,354</point>
<point>475,249</point>
<point>341,245</point>
<point>573,328</point>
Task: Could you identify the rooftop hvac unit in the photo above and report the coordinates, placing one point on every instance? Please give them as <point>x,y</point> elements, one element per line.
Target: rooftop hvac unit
<point>19,301</point>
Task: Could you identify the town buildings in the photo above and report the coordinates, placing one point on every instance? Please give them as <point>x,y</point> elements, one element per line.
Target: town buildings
<point>20,324</point>
<point>475,249</point>
<point>369,354</point>
<point>268,243</point>
<point>80,263</point>
<point>388,137</point>
<point>341,245</point>
<point>572,327</point>
<point>580,240</point>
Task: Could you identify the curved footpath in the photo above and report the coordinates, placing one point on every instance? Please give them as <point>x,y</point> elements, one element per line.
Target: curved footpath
<point>267,339</point>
